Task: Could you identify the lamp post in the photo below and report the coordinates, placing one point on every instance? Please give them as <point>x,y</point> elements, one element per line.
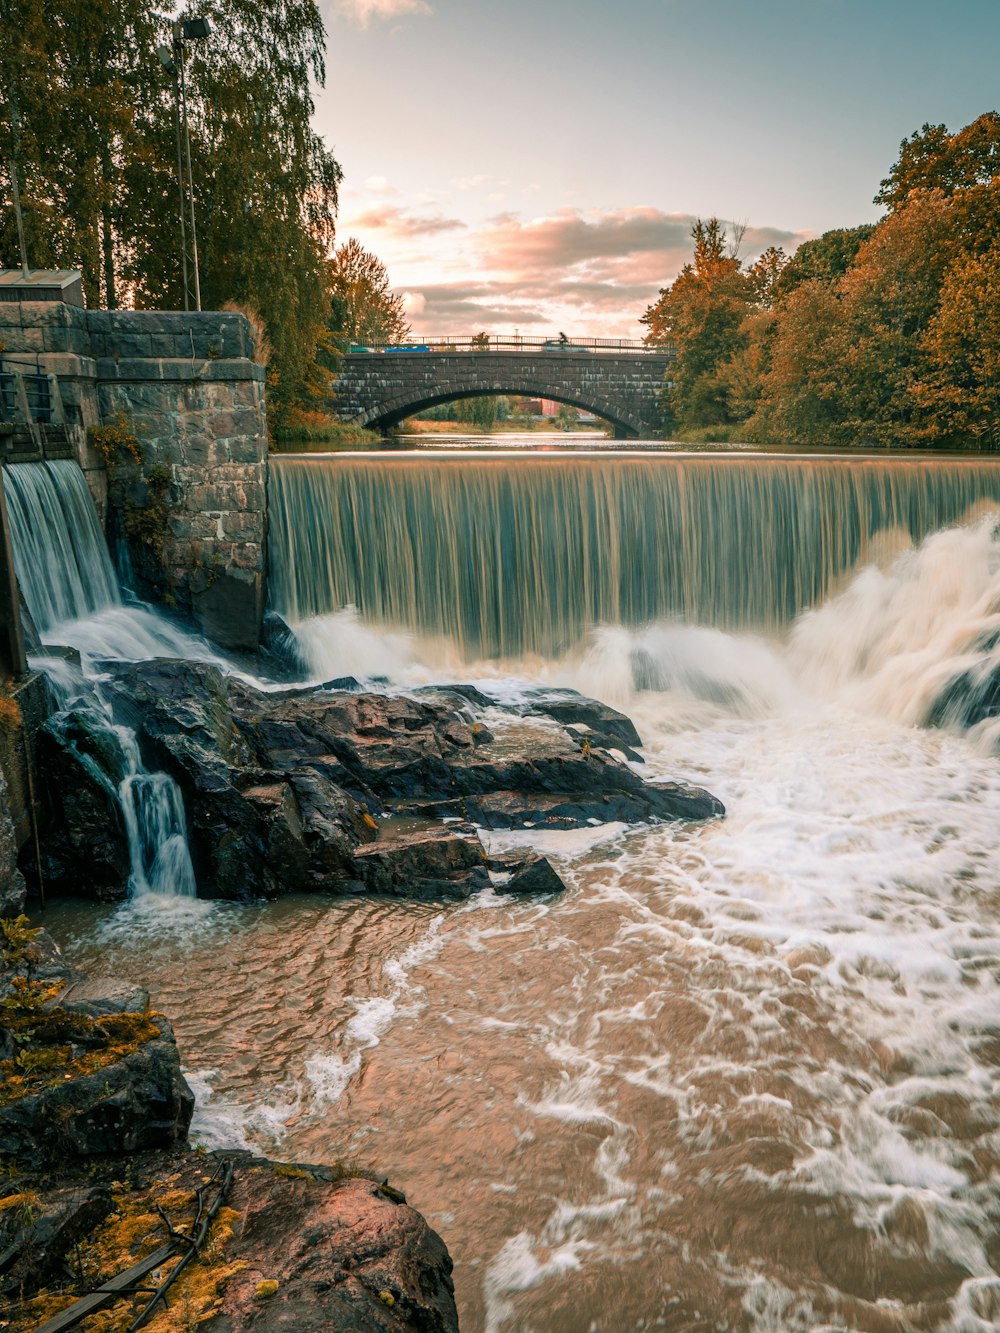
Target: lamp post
<point>173,58</point>
<point>15,170</point>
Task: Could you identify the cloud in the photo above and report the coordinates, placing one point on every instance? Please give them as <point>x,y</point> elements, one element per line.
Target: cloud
<point>570,239</point>
<point>462,306</point>
<point>583,271</point>
<point>397,222</point>
<point>363,11</point>
<point>379,185</point>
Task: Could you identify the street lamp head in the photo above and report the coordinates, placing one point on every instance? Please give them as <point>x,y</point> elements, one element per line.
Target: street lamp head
<point>194,29</point>
<point>166,58</point>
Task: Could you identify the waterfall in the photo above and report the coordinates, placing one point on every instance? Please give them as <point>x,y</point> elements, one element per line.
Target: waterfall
<point>60,556</point>
<point>69,586</point>
<point>513,555</point>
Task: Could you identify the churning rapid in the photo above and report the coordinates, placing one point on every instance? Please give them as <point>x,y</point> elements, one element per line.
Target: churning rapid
<point>743,1075</point>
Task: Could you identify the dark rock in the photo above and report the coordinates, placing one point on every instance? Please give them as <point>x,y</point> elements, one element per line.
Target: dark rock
<point>305,1247</point>
<point>94,1073</point>
<point>569,708</point>
<point>281,787</point>
<point>969,698</point>
<point>140,1101</point>
<point>81,765</point>
<point>341,683</point>
<point>531,874</point>
<point>35,1238</point>
<point>103,995</point>
<point>12,889</point>
<point>279,651</point>
<point>428,865</point>
<point>456,694</point>
<point>345,1256</point>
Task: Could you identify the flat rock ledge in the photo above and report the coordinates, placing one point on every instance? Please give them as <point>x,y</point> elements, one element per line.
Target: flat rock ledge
<point>342,790</point>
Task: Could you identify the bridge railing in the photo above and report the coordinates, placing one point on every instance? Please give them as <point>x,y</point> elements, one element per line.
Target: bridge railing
<point>505,342</point>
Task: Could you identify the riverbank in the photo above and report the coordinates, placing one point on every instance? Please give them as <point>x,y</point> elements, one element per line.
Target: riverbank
<point>100,1187</point>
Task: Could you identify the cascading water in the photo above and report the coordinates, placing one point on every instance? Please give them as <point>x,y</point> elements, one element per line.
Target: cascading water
<point>513,556</point>
<point>72,594</point>
<point>62,562</point>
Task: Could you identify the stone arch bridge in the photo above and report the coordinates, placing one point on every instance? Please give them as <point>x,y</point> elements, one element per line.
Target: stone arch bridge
<point>617,380</point>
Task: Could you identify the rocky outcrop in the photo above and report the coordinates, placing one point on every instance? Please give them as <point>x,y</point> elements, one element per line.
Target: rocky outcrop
<point>92,1096</point>
<point>12,889</point>
<point>342,1255</point>
<point>339,789</point>
<point>81,766</point>
<point>87,1070</point>
<point>289,1246</point>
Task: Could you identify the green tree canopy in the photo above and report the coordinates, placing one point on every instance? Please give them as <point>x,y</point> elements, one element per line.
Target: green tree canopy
<point>365,309</point>
<point>97,143</point>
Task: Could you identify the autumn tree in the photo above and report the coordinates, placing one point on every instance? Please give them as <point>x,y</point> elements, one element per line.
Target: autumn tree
<point>701,314</point>
<point>934,159</point>
<point>365,309</point>
<point>881,334</point>
<point>826,258</point>
<point>960,386</point>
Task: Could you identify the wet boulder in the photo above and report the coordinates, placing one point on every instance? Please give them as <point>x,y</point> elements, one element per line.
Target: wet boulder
<point>428,864</point>
<point>284,789</point>
<point>524,874</point>
<point>85,847</point>
<point>85,1069</point>
<point>341,1255</point>
<point>604,727</point>
<point>38,1231</point>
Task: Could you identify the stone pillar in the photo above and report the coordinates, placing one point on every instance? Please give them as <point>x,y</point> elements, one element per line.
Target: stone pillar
<point>186,387</point>
<point>203,424</point>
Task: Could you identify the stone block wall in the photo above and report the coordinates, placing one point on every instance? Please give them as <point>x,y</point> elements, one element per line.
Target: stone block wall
<point>625,388</point>
<point>194,398</point>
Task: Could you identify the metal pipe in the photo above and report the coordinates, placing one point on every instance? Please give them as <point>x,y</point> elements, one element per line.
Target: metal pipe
<point>15,122</point>
<point>190,181</point>
<point>180,187</point>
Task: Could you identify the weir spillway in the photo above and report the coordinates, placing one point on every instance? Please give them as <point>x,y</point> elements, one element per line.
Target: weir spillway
<point>513,555</point>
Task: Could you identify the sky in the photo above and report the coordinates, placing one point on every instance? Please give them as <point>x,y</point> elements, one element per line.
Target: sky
<point>536,165</point>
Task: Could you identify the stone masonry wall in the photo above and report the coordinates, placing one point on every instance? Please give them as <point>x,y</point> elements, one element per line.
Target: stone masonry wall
<point>191,394</point>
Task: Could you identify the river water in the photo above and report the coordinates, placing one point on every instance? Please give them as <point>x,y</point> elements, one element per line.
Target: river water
<point>743,1075</point>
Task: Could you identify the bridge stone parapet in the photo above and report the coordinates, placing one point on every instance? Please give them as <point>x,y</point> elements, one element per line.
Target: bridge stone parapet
<point>380,390</point>
<point>194,398</point>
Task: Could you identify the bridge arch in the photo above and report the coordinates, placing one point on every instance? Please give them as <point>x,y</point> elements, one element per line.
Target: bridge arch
<point>404,406</point>
<point>381,390</point>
